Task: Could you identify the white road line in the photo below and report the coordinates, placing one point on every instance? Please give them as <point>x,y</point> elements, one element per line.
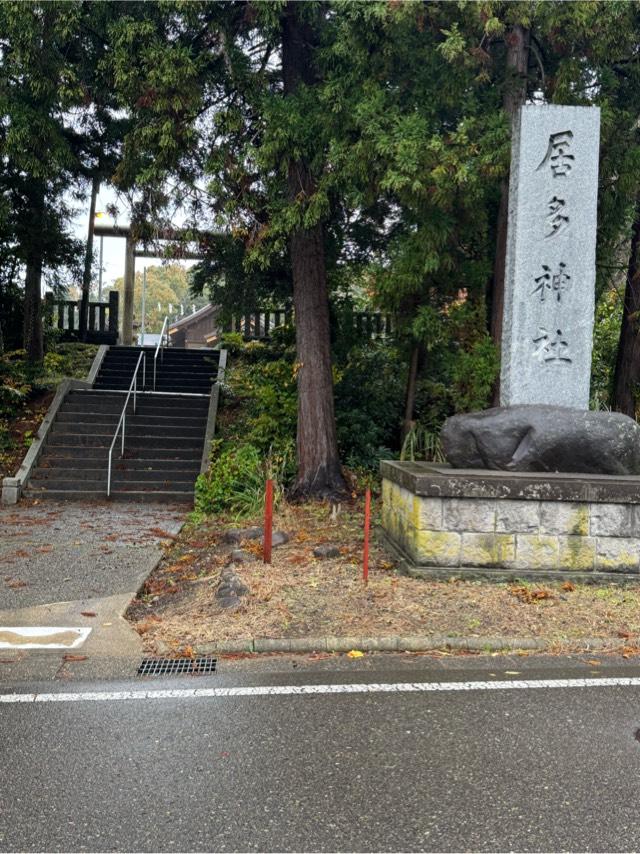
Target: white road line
<point>353,688</point>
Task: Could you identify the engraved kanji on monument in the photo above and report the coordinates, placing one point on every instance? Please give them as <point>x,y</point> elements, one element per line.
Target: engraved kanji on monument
<point>550,264</point>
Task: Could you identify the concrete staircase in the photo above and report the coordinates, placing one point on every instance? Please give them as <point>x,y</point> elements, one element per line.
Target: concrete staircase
<point>177,370</point>
<point>164,438</point>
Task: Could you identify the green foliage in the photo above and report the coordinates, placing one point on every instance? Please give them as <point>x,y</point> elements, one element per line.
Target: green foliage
<point>234,482</point>
<point>369,392</point>
<point>19,379</point>
<point>460,367</point>
<point>605,344</point>
<point>421,444</point>
<point>260,396</point>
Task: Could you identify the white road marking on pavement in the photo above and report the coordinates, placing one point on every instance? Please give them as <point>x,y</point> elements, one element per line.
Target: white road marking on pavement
<point>42,637</point>
<point>352,688</point>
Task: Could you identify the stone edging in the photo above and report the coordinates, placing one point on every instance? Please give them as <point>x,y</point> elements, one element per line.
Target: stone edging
<point>411,643</point>
<point>97,362</point>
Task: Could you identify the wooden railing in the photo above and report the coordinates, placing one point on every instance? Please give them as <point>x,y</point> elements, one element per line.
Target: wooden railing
<point>102,318</point>
<point>258,325</point>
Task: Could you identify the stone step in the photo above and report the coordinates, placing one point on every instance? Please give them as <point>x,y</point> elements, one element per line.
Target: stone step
<point>175,351</point>
<point>166,374</point>
<point>198,416</point>
<point>49,461</point>
<point>74,452</point>
<point>132,442</point>
<point>57,481</point>
<point>145,403</point>
<point>137,496</point>
<point>190,387</point>
<point>106,395</point>
<point>138,427</point>
<point>81,416</point>
<point>117,474</point>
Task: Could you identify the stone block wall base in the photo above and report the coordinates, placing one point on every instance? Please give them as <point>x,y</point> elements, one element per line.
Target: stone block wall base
<point>409,567</point>
<point>485,524</point>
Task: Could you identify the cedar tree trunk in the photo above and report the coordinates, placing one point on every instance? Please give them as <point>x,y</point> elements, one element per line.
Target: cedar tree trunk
<point>88,258</point>
<point>319,472</point>
<point>627,372</point>
<point>33,337</point>
<point>517,41</point>
<point>410,393</point>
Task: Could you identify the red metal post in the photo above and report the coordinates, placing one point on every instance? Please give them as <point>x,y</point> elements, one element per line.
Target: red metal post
<point>268,522</point>
<point>367,521</point>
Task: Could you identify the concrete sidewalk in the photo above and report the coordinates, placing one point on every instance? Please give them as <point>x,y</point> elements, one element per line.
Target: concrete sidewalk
<point>58,559</point>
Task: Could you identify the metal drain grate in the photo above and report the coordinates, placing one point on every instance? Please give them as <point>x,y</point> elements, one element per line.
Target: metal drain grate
<point>176,666</point>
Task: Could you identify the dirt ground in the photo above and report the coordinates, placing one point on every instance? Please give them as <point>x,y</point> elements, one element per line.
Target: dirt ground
<point>300,595</point>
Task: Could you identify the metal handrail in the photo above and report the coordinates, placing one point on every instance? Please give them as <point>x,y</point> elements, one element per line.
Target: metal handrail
<point>160,348</point>
<point>123,420</point>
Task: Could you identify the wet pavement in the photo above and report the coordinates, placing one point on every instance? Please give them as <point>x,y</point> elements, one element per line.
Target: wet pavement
<point>77,564</point>
<point>526,769</point>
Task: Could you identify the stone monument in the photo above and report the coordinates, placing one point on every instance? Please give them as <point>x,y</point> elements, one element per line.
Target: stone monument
<point>538,487</point>
<point>551,253</point>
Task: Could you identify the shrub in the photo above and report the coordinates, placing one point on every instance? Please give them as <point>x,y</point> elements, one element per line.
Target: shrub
<point>369,393</point>
<point>234,482</point>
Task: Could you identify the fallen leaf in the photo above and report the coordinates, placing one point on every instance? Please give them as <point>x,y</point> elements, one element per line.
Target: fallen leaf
<point>68,656</point>
<point>525,594</point>
<point>88,613</point>
<point>593,661</point>
<point>16,583</point>
<point>569,586</point>
<point>355,653</point>
<point>624,634</point>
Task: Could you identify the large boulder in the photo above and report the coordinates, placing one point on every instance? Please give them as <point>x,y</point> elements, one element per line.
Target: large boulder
<point>543,438</point>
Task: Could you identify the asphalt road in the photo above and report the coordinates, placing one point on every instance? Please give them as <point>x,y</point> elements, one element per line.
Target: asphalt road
<point>526,769</point>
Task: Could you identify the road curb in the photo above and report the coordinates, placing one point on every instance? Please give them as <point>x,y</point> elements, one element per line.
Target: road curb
<point>411,643</point>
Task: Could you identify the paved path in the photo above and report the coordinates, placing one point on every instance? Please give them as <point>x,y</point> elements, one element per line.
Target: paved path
<point>58,559</point>
<point>525,769</point>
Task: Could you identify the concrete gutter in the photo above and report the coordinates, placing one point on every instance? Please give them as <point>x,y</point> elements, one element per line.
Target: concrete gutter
<point>12,487</point>
<point>212,414</point>
<point>411,643</point>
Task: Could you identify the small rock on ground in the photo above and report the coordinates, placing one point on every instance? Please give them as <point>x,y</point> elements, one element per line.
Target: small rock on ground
<point>229,602</point>
<point>240,556</point>
<point>230,583</point>
<point>236,535</point>
<point>326,551</point>
<point>279,538</point>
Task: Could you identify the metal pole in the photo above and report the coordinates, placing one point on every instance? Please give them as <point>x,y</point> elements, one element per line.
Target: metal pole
<point>144,294</point>
<point>367,520</point>
<point>268,523</point>
<point>100,270</point>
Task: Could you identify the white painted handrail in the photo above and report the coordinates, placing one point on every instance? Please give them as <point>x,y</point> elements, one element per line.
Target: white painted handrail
<point>133,387</point>
<point>160,349</point>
